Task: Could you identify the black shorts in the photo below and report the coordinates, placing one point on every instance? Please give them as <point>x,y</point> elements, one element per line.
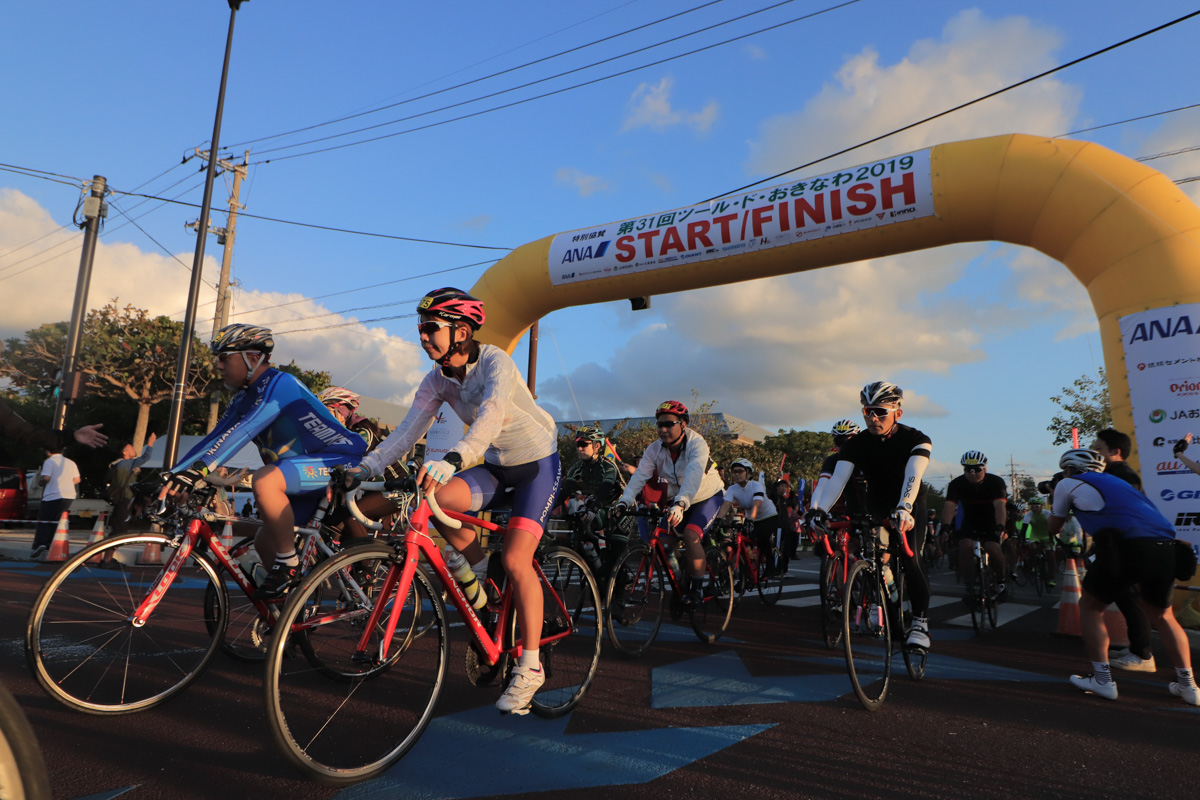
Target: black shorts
<point>1149,562</point>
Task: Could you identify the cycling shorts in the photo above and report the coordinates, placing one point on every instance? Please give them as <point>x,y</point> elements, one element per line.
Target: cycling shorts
<point>1148,562</point>
<point>534,486</point>
<point>701,514</point>
<point>307,478</point>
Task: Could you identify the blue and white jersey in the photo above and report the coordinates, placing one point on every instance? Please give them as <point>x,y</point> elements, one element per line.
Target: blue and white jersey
<point>283,418</point>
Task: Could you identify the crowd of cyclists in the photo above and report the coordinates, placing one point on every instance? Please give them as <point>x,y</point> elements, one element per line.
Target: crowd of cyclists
<point>508,457</point>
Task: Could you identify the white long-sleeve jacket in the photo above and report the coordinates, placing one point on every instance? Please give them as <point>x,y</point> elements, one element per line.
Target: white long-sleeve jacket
<point>691,478</point>
<point>506,426</point>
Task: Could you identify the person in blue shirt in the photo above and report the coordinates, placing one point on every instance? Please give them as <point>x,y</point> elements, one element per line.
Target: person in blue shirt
<point>298,438</point>
<point>1134,544</point>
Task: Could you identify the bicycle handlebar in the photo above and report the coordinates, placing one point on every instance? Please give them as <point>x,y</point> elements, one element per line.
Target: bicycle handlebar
<point>403,485</point>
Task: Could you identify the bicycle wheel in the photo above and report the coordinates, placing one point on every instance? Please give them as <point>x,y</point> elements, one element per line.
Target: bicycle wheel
<point>741,576</point>
<point>353,716</point>
<point>866,636</point>
<point>991,600</point>
<point>711,618</point>
<point>247,632</point>
<point>571,611</point>
<point>22,770</point>
<point>982,592</point>
<point>831,587</point>
<point>914,657</point>
<point>770,588</point>
<point>635,601</point>
<point>1040,568</point>
<point>83,649</point>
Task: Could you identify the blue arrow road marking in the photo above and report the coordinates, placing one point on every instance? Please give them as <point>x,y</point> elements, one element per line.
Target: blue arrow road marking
<point>723,680</point>
<point>509,754</point>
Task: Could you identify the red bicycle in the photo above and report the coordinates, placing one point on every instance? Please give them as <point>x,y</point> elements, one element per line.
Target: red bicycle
<point>107,640</point>
<point>837,557</point>
<point>752,566</point>
<point>382,655</point>
<point>636,594</point>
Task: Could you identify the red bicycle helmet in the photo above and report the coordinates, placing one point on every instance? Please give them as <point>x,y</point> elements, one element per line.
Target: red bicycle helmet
<point>452,305</point>
<point>672,407</point>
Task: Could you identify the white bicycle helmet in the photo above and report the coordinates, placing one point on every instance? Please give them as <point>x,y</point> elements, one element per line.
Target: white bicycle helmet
<point>881,393</point>
<point>974,458</point>
<point>1082,460</point>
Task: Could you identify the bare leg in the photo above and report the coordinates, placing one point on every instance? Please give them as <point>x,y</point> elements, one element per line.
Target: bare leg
<point>279,524</point>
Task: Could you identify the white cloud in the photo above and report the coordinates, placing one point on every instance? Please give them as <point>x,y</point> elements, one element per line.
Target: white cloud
<point>1177,133</point>
<point>390,367</point>
<point>650,107</point>
<point>975,56</point>
<point>794,350</point>
<point>586,185</point>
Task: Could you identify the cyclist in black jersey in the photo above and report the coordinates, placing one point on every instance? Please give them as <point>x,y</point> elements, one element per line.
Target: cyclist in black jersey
<point>982,500</point>
<point>851,501</point>
<point>892,458</point>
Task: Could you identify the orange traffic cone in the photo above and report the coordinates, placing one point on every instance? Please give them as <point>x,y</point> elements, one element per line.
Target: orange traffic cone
<point>1068,607</point>
<point>97,535</point>
<point>227,536</point>
<point>60,548</point>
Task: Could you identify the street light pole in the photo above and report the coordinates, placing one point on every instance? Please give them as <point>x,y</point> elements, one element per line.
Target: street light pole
<point>175,421</point>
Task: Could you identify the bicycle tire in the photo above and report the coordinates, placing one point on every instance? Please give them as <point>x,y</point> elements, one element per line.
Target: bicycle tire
<point>914,657</point>
<point>992,603</point>
<point>770,589</point>
<point>635,601</point>
<point>22,769</point>
<point>866,643</point>
<point>978,597</point>
<point>570,662</point>
<point>348,728</point>
<point>711,618</point>
<point>832,597</point>
<point>246,633</point>
<point>83,650</point>
<point>741,575</point>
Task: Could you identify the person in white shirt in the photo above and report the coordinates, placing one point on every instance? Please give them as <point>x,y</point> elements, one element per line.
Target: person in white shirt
<point>60,476</point>
<point>760,510</point>
<point>680,456</point>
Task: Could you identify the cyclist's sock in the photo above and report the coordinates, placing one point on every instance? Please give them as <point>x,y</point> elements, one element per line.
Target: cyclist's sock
<point>530,659</point>
<point>480,570</point>
<point>1184,677</point>
<point>1101,671</point>
<point>288,559</point>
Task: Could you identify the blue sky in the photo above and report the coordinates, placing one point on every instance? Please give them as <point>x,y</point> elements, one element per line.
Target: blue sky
<point>980,335</point>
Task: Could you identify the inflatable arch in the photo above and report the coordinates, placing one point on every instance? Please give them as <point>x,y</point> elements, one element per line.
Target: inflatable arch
<point>1129,235</point>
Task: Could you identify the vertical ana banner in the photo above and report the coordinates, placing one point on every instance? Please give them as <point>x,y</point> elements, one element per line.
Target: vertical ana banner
<point>447,431</point>
<point>1162,362</point>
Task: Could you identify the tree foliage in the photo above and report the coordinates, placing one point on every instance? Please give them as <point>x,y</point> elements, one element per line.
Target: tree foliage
<point>1084,405</point>
<point>316,380</point>
<point>125,354</point>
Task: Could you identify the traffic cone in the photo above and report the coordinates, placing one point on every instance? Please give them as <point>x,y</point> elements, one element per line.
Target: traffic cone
<point>1068,607</point>
<point>152,552</point>
<point>60,548</point>
<point>227,536</point>
<point>97,535</point>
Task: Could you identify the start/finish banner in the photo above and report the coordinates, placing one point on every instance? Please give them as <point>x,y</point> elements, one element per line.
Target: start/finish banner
<point>868,196</point>
<point>1162,361</point>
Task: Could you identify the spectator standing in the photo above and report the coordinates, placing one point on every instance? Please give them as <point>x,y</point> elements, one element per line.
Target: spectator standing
<point>122,473</point>
<point>60,476</point>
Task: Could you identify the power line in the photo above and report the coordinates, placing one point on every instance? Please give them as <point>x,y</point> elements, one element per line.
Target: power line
<point>544,59</point>
<point>322,227</point>
<point>161,246</point>
<point>536,97</point>
<point>1131,119</point>
<point>961,106</point>
<point>1171,153</point>
<point>30,172</point>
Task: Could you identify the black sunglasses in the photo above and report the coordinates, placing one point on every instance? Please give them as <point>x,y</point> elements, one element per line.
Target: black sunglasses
<point>972,469</point>
<point>582,442</point>
<point>667,425</point>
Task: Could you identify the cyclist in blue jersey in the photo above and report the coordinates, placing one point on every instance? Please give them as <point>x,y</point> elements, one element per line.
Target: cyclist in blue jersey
<point>1133,544</point>
<point>297,437</point>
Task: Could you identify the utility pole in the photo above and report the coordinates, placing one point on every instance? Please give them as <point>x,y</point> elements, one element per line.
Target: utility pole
<point>94,209</point>
<point>1012,477</point>
<point>225,237</point>
<point>175,422</point>
<point>533,347</point>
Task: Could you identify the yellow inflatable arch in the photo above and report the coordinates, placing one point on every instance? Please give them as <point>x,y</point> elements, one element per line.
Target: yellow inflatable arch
<point>1129,235</point>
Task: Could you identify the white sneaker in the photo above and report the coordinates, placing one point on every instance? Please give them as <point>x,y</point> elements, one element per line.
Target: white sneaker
<point>1133,663</point>
<point>1188,694</point>
<point>918,637</point>
<point>1088,683</point>
<point>521,689</point>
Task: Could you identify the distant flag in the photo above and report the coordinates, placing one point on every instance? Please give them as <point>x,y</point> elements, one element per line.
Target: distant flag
<point>610,452</point>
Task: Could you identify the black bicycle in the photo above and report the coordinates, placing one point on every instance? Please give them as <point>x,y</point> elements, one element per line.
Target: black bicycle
<point>873,618</point>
